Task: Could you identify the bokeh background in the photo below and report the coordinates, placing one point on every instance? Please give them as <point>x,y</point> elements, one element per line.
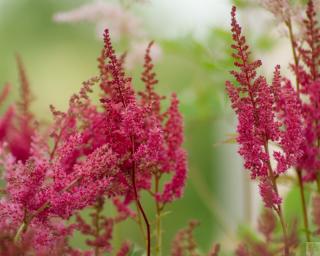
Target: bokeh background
<point>193,59</point>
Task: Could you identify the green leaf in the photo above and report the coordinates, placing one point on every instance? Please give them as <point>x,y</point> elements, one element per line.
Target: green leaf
<point>292,203</point>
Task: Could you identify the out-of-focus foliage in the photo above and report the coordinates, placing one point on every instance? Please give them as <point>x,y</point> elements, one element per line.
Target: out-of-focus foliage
<point>201,69</point>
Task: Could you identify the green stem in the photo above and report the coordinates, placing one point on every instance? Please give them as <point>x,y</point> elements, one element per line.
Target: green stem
<point>304,205</point>
<point>318,183</point>
<point>298,171</point>
<point>294,53</point>
<point>96,221</point>
<point>20,230</point>
<point>318,174</point>
<point>278,209</point>
<point>284,230</point>
<point>158,219</point>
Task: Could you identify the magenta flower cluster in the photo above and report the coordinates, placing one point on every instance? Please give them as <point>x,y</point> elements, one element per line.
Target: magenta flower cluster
<point>266,113</point>
<point>113,150</point>
<point>278,125</point>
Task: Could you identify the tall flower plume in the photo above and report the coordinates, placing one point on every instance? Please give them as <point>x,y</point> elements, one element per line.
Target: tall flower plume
<point>308,77</point>
<point>17,124</point>
<point>265,114</point>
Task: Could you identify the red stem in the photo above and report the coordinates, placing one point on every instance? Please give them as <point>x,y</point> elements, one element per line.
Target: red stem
<point>144,215</point>
<point>313,72</point>
<point>133,180</point>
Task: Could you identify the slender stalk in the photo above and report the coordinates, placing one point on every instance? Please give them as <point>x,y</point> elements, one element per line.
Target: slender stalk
<point>278,209</point>
<point>133,180</point>
<point>294,54</point>
<point>284,230</point>
<point>29,217</point>
<point>158,219</point>
<point>318,183</point>
<point>318,175</point>
<point>247,198</point>
<point>145,218</point>
<point>20,231</point>
<point>304,205</point>
<point>139,221</point>
<point>26,221</point>
<point>282,222</point>
<point>298,171</point>
<point>96,222</point>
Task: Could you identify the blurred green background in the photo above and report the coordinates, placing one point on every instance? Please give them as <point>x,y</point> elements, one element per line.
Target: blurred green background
<point>194,39</point>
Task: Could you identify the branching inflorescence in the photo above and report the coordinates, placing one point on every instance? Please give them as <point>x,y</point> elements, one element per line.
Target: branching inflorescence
<point>266,113</point>
<point>281,115</point>
<point>111,151</point>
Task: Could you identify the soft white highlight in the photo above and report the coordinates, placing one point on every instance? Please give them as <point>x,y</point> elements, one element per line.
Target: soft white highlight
<point>120,22</point>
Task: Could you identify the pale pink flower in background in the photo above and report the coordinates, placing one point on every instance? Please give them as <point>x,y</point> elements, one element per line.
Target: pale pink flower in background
<point>119,21</point>
<point>281,9</point>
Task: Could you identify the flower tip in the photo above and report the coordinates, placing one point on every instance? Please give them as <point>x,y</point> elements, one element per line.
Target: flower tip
<point>233,11</point>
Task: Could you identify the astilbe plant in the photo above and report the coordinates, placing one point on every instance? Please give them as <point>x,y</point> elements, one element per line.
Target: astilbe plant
<point>266,113</point>
<point>115,150</point>
<point>306,56</point>
<point>111,151</point>
<point>282,113</point>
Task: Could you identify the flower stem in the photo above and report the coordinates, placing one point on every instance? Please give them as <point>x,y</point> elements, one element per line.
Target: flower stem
<point>298,171</point>
<point>139,221</point>
<point>135,191</point>
<point>294,54</point>
<point>98,207</point>
<point>318,174</point>
<point>304,206</point>
<point>147,224</point>
<point>277,209</point>
<point>158,219</point>
<point>284,230</point>
<point>20,230</point>
<point>133,180</point>
<point>318,183</point>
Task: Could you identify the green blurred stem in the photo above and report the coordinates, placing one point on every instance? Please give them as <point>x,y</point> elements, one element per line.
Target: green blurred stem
<point>294,52</point>
<point>278,208</point>
<point>98,207</point>
<point>29,217</point>
<point>247,198</point>
<point>20,231</point>
<point>26,221</point>
<point>318,175</point>
<point>318,183</point>
<point>298,171</point>
<point>158,219</point>
<point>304,206</point>
<point>284,229</point>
